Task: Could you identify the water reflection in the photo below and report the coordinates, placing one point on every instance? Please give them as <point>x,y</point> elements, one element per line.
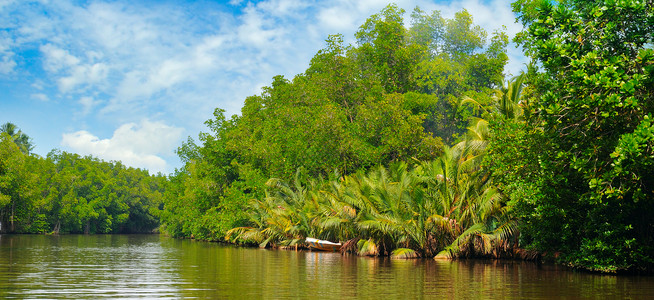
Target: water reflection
<point>85,266</point>
<point>149,266</point>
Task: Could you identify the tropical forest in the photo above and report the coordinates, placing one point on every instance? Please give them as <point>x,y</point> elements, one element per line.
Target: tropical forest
<point>411,142</point>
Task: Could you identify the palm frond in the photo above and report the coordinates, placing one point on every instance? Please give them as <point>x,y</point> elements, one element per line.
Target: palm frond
<point>404,253</point>
<point>367,247</point>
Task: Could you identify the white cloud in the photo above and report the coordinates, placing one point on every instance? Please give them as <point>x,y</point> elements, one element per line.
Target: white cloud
<point>283,8</point>
<point>120,27</point>
<point>83,74</point>
<point>38,84</point>
<point>88,103</point>
<point>5,3</point>
<point>7,64</point>
<point>257,29</point>
<point>57,59</point>
<point>337,18</point>
<point>140,146</point>
<point>72,71</point>
<point>40,97</point>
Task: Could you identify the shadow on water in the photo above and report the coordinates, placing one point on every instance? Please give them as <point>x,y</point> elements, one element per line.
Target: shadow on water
<point>152,266</point>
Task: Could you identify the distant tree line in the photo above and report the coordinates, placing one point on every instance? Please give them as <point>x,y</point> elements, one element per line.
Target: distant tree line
<point>68,193</point>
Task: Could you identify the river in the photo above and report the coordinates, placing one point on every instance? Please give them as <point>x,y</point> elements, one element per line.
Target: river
<point>157,267</point>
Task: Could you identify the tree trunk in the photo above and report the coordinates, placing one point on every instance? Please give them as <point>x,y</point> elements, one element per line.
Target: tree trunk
<point>11,219</point>
<point>57,227</point>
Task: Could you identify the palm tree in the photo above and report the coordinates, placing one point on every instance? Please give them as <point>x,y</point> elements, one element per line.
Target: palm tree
<point>383,201</point>
<point>385,211</point>
<point>338,217</point>
<point>469,216</point>
<point>21,139</point>
<point>508,98</point>
<point>475,217</point>
<point>286,216</point>
<point>448,205</point>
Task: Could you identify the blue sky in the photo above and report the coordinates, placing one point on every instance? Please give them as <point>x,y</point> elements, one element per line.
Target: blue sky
<point>129,82</point>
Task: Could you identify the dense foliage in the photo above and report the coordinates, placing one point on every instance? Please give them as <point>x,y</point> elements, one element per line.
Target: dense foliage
<point>67,193</point>
<point>580,169</point>
<point>395,96</point>
<point>569,147</point>
<point>447,205</point>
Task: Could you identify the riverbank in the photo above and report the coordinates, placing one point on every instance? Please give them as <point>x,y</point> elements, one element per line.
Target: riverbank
<point>517,254</point>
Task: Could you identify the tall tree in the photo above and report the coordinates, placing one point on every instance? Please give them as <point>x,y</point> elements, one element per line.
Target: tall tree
<point>21,139</point>
<point>384,51</point>
<point>16,184</point>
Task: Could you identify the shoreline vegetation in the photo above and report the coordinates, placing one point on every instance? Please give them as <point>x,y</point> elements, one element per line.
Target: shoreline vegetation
<point>68,193</point>
<point>411,143</point>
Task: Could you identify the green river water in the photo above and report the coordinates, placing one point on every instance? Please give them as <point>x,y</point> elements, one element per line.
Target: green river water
<point>156,267</point>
